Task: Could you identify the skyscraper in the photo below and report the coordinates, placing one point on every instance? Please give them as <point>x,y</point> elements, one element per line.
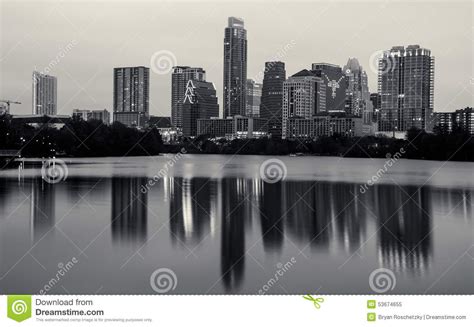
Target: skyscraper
<point>272,95</point>
<point>179,79</point>
<point>45,94</point>
<point>358,101</point>
<point>235,67</point>
<point>200,102</point>
<point>406,85</point>
<point>304,96</point>
<point>254,94</point>
<point>336,85</point>
<point>131,94</point>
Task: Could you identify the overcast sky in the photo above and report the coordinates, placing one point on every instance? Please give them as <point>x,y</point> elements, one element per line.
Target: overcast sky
<point>80,43</point>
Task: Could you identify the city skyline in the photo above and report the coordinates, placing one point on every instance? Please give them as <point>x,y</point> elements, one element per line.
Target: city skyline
<point>452,90</point>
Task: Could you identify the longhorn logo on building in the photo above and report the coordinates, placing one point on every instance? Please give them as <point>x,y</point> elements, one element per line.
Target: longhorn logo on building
<point>334,85</point>
<point>189,94</point>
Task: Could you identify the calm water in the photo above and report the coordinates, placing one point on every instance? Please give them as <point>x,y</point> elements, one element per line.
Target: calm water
<point>222,229</point>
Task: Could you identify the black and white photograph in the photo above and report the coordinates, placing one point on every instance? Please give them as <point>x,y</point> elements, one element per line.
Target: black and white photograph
<point>236,148</point>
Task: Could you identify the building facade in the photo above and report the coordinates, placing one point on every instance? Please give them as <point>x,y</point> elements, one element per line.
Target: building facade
<point>200,102</point>
<point>336,84</point>
<point>131,96</point>
<point>233,127</point>
<point>272,96</point>
<point>254,94</point>
<point>406,88</point>
<point>304,96</point>
<point>358,102</point>
<point>179,79</point>
<point>86,114</point>
<point>45,94</point>
<point>459,120</point>
<point>235,67</point>
<point>324,125</point>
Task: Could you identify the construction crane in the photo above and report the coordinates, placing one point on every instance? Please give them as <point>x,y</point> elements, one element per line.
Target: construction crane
<point>8,104</point>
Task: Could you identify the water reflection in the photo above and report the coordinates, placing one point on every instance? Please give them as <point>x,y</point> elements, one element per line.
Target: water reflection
<point>42,209</point>
<point>232,214</point>
<point>129,210</point>
<point>314,215</point>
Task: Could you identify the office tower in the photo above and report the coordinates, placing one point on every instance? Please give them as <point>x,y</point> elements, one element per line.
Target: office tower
<point>131,94</point>
<point>304,96</point>
<point>254,94</point>
<point>235,67</point>
<point>406,84</point>
<point>45,94</point>
<point>272,96</point>
<point>358,100</point>
<point>200,102</point>
<point>179,79</point>
<point>336,85</point>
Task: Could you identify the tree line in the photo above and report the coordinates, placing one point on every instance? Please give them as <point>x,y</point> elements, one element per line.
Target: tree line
<point>79,138</point>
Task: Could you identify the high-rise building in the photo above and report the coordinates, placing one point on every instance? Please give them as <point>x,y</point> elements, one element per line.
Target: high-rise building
<point>459,120</point>
<point>272,96</point>
<point>254,94</point>
<point>179,79</point>
<point>235,67</point>
<point>358,102</point>
<point>200,102</point>
<point>45,94</point>
<point>336,85</point>
<point>406,85</point>
<point>131,95</point>
<point>304,96</point>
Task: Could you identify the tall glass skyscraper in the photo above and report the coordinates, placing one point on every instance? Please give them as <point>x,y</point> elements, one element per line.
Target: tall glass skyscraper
<point>45,94</point>
<point>336,85</point>
<point>272,96</point>
<point>358,101</point>
<point>179,79</point>
<point>235,67</point>
<point>254,94</point>
<point>200,102</point>
<point>131,94</point>
<point>406,85</point>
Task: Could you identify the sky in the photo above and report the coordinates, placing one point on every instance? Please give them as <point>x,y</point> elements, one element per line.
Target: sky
<point>80,42</point>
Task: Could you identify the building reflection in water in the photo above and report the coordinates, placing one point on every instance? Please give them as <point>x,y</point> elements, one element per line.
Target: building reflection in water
<point>404,235</point>
<point>42,208</point>
<point>235,205</point>
<point>129,210</point>
<point>271,221</point>
<point>314,215</point>
<point>193,209</point>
